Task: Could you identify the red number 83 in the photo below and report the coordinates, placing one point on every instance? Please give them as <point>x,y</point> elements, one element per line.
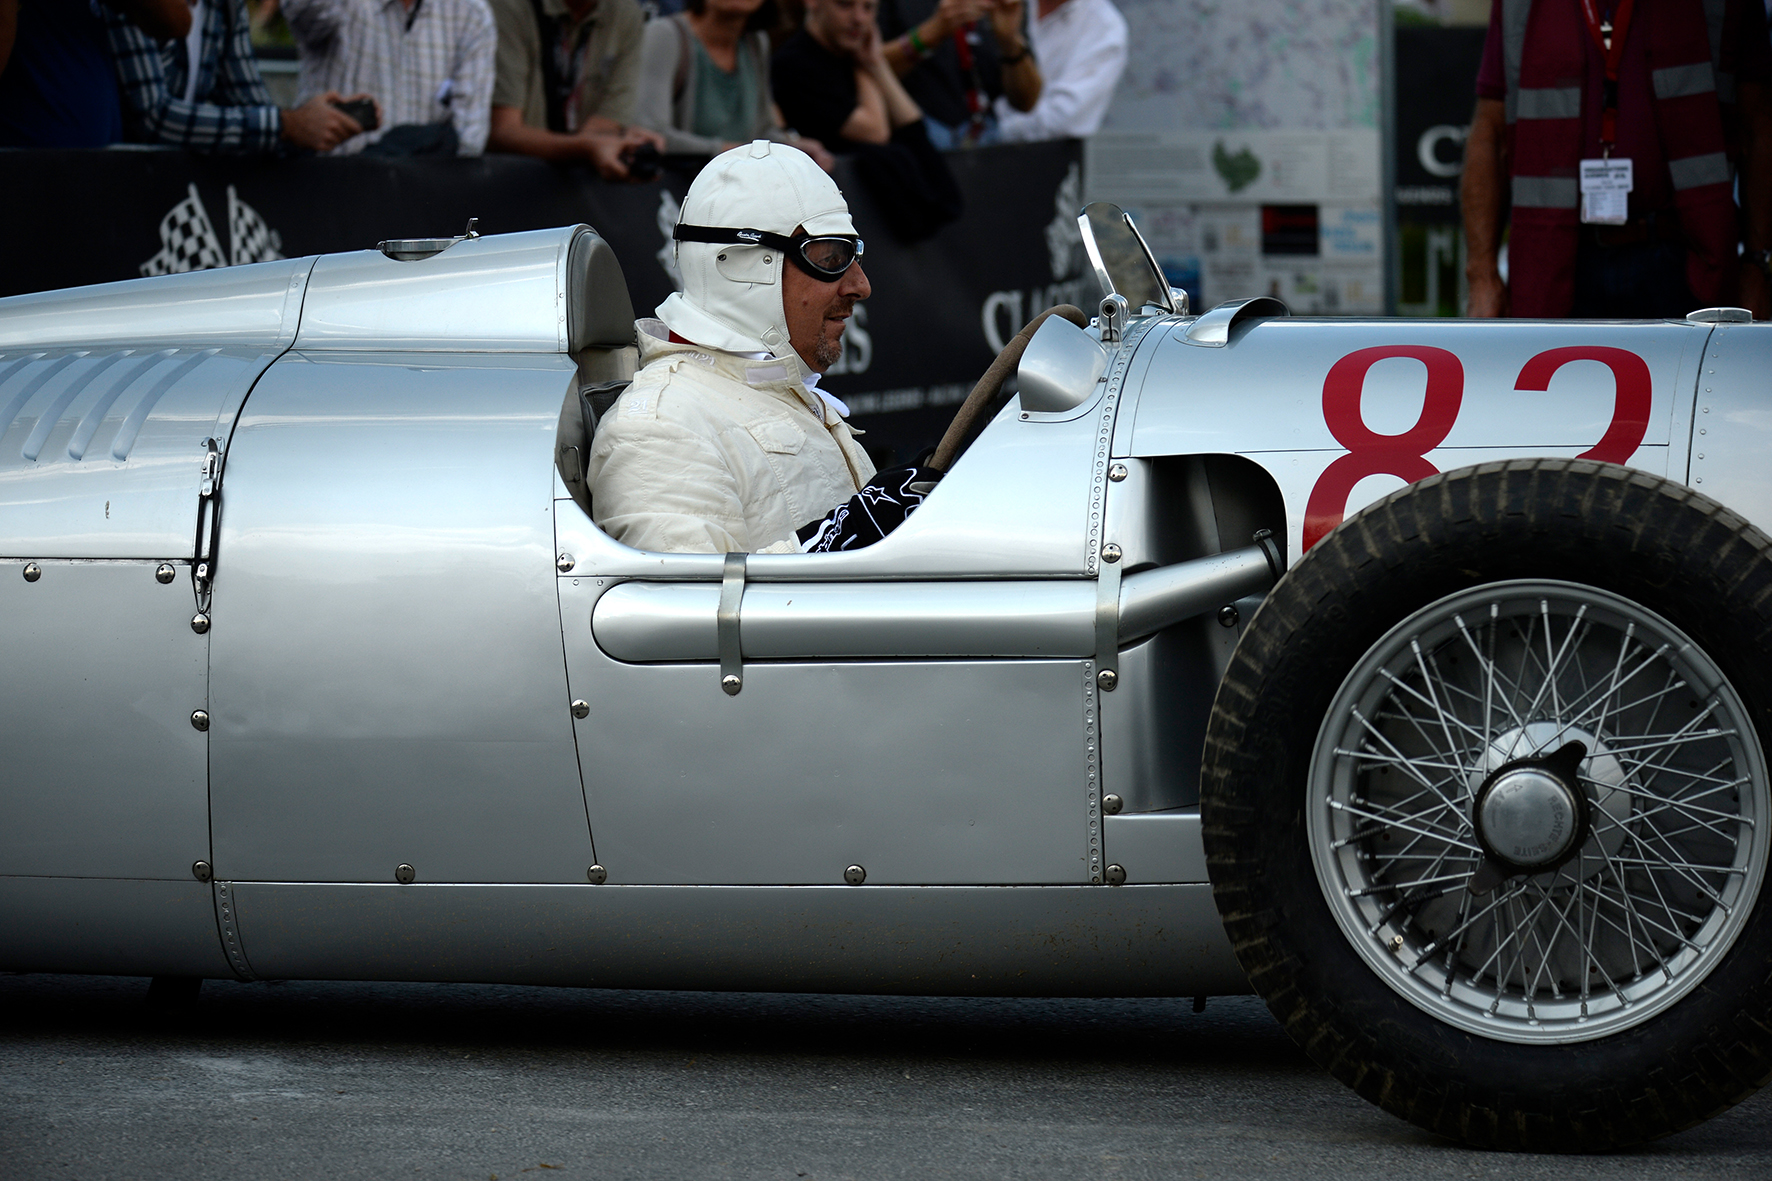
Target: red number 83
<point>1405,456</point>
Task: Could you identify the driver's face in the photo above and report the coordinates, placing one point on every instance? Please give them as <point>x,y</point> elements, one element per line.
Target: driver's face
<point>816,312</point>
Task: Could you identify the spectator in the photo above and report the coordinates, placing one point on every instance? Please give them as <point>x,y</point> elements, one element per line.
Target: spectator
<point>56,85</point>
<point>1082,49</point>
<point>957,65</point>
<point>704,80</point>
<point>1654,230</point>
<point>427,62</point>
<point>575,100</point>
<point>205,93</point>
<point>832,82</point>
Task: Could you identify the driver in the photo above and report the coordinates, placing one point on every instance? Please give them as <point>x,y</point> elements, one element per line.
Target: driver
<point>724,442</point>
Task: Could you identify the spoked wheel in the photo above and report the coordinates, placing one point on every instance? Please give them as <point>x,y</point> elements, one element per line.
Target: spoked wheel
<point>1534,814</point>
<point>1487,808</point>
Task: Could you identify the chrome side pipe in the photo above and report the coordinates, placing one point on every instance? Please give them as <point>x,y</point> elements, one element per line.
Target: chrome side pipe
<point>1151,600</point>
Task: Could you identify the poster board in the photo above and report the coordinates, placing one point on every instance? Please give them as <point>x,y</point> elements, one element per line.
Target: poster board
<point>1246,140</point>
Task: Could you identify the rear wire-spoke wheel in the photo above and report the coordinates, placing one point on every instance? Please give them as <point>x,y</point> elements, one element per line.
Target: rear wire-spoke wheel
<point>1614,885</point>
<point>1487,810</point>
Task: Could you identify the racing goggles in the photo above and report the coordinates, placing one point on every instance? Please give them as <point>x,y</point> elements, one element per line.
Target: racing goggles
<point>826,257</point>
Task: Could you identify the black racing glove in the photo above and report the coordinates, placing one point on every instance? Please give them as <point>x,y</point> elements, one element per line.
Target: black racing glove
<point>880,507</point>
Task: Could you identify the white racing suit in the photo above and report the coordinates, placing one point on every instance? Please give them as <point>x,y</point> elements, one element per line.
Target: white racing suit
<point>709,452</point>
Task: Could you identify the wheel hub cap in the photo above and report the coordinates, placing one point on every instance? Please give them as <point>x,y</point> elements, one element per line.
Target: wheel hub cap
<point>1528,817</point>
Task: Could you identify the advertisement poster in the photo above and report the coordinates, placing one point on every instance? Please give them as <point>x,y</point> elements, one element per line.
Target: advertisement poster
<point>1245,140</point>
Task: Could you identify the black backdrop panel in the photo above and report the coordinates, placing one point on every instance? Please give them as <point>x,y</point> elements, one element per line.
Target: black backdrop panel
<point>1436,92</point>
<point>83,217</point>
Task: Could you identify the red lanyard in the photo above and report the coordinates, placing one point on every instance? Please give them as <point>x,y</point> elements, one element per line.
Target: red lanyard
<point>1609,37</point>
<point>975,103</point>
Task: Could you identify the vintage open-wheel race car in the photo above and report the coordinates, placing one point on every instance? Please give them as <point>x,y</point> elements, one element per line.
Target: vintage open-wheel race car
<point>317,667</point>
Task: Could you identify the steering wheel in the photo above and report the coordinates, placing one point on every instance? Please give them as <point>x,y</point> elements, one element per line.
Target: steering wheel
<point>970,418</point>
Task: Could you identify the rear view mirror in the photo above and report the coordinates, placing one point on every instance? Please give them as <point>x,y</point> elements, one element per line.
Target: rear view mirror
<point>1124,264</point>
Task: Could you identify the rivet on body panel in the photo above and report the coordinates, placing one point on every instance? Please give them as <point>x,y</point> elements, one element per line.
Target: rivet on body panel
<point>1111,552</point>
<point>581,709</point>
<point>732,683</point>
<point>200,623</point>
<point>33,572</point>
<point>564,563</point>
<point>596,875</point>
<point>1229,616</point>
<point>1117,472</point>
<point>164,573</point>
<point>1116,875</point>
<point>1111,804</point>
<point>1107,678</point>
<point>201,871</point>
<point>404,874</point>
<point>855,875</point>
<point>200,720</point>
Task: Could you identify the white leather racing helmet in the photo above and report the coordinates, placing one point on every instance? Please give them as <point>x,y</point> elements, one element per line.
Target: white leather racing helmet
<point>731,297</point>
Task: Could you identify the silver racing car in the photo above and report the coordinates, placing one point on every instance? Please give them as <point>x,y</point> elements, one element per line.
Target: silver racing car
<point>1413,674</point>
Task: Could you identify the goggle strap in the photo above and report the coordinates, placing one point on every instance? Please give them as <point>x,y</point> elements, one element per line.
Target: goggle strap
<point>720,236</point>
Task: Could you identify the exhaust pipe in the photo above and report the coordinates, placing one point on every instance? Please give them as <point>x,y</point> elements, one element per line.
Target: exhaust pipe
<point>1153,599</point>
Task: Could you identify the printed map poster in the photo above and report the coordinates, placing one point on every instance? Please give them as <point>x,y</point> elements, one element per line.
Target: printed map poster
<point>1245,140</point>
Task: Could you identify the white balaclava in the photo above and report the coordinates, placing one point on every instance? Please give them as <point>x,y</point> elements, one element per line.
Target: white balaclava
<point>731,297</point>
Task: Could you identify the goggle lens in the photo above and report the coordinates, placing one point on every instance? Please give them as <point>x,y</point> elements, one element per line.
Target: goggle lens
<point>832,256</point>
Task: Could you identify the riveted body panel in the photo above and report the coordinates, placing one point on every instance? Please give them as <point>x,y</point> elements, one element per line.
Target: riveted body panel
<point>937,940</point>
<point>389,685</point>
<point>1731,432</point>
<point>952,771</point>
<point>104,775</point>
<point>110,926</point>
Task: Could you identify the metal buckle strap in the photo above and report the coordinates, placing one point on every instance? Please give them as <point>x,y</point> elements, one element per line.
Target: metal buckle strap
<point>731,598</point>
<point>1107,619</point>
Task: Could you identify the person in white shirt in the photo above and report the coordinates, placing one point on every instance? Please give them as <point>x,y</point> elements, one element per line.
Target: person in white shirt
<point>424,61</point>
<point>1081,47</point>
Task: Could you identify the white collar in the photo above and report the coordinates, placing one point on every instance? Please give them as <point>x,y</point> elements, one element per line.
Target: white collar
<point>810,381</point>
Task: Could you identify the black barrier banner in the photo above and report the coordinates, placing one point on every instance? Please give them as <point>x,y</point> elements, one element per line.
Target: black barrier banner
<point>939,311</point>
<point>1436,91</point>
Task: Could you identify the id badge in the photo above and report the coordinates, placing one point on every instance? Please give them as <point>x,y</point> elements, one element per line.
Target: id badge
<point>1605,191</point>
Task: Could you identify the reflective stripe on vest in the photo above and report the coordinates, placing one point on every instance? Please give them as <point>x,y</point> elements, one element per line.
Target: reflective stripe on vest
<point>1693,171</point>
<point>1559,103</point>
<point>1544,192</point>
<point>1680,81</point>
<point>1514,15</point>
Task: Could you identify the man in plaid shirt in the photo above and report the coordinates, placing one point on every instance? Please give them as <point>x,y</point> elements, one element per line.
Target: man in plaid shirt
<point>205,93</point>
<point>426,61</point>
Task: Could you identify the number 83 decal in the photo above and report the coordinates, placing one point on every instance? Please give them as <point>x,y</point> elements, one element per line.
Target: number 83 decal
<point>1405,456</point>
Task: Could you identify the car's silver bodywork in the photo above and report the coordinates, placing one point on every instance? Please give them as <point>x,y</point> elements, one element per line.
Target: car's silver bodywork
<point>409,596</point>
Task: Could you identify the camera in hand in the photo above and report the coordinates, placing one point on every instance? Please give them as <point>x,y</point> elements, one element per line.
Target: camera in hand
<point>643,161</point>
<point>362,110</point>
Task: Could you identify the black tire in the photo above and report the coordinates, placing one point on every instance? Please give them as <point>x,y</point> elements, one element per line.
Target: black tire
<point>1551,1078</point>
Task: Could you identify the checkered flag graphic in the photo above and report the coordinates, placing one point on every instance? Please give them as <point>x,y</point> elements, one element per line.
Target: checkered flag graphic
<point>251,239</point>
<point>187,240</point>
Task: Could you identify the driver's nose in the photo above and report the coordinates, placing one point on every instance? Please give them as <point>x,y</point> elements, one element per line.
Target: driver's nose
<point>855,282</point>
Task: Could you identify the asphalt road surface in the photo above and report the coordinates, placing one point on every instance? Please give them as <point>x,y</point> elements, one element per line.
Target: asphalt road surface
<point>455,1081</point>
